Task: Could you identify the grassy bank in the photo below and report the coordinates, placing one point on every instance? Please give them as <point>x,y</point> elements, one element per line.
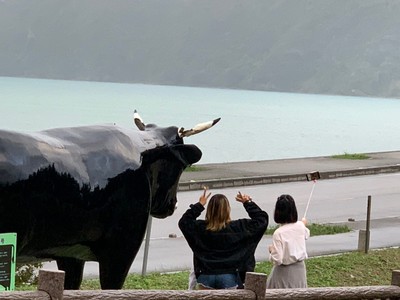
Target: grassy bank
<point>351,156</point>
<point>167,281</point>
<point>350,269</point>
<point>194,168</point>
<point>318,229</point>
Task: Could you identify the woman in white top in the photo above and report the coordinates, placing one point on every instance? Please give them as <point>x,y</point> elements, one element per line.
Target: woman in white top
<point>288,249</point>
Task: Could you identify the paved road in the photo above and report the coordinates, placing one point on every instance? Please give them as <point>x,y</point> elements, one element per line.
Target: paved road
<point>350,194</point>
<point>334,200</point>
<point>350,202</point>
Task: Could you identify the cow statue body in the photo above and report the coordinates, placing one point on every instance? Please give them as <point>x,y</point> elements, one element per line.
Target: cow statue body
<point>85,193</point>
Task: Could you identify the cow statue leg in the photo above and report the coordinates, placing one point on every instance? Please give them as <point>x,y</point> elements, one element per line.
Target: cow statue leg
<point>115,262</point>
<point>121,241</point>
<point>73,269</point>
<point>114,271</point>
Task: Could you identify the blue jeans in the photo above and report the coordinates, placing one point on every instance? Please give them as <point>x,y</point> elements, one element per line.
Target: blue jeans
<point>218,281</point>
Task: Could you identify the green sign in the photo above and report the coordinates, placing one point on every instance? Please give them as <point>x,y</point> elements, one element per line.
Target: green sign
<point>8,244</point>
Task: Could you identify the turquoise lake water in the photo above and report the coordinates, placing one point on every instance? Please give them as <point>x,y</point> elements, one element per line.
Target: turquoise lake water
<point>255,125</point>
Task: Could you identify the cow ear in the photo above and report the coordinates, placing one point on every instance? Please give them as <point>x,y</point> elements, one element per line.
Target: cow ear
<point>188,154</point>
<point>138,121</point>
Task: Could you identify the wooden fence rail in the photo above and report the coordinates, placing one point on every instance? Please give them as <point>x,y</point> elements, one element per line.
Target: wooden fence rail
<point>337,293</point>
<point>51,284</point>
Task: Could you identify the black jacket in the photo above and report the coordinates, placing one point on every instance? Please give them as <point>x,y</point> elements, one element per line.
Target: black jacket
<point>228,250</point>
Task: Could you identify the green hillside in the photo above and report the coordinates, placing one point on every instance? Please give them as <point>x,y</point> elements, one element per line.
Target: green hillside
<point>342,47</point>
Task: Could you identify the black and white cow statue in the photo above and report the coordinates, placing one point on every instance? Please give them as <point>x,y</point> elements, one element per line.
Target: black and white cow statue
<point>85,193</point>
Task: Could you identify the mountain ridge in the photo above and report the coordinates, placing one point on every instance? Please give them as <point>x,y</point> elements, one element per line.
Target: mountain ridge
<point>306,46</point>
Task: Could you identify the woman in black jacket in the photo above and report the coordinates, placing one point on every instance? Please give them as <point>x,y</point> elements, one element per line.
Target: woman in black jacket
<point>222,248</point>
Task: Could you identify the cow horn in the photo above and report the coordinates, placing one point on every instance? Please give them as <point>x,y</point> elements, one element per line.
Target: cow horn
<point>138,121</point>
<point>198,128</point>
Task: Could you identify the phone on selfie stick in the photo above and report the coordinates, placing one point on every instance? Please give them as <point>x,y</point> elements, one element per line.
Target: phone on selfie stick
<point>312,176</point>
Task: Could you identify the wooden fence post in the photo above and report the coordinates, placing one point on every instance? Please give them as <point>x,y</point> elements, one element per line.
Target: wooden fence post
<point>396,277</point>
<point>364,236</point>
<point>256,282</point>
<point>52,282</point>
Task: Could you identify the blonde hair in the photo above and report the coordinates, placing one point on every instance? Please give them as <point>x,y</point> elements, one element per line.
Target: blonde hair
<point>218,213</point>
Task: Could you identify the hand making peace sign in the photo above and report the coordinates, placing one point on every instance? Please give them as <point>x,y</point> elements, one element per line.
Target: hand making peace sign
<point>204,197</point>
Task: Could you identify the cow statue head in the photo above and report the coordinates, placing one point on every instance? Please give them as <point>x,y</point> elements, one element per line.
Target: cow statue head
<point>85,193</point>
<point>165,163</point>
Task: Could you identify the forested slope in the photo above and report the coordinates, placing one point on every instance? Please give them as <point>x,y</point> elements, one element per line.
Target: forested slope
<point>343,47</point>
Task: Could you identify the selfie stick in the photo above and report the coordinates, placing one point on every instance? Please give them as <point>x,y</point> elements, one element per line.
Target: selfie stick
<point>309,198</point>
